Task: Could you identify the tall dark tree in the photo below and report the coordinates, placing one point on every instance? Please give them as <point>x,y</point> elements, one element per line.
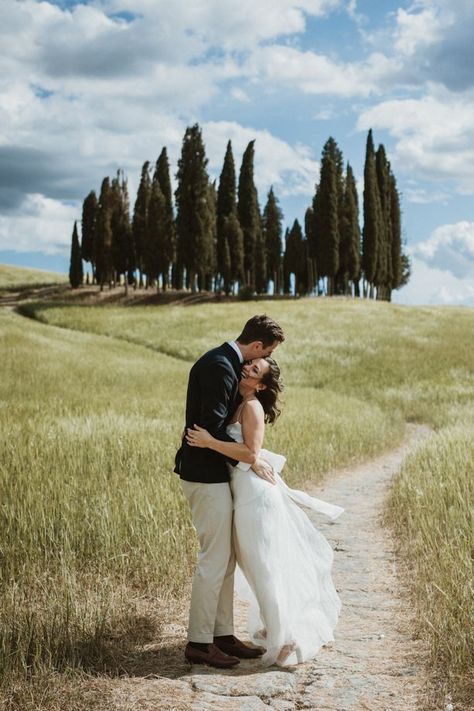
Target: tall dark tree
<point>372,216</point>
<point>154,262</point>
<point>230,246</point>
<point>400,261</point>
<point>272,229</point>
<point>326,221</point>
<point>123,255</point>
<point>75,266</point>
<point>260,261</point>
<point>295,260</point>
<point>309,236</point>
<point>140,217</point>
<point>249,214</point>
<point>103,237</point>
<point>194,209</point>
<point>349,252</point>
<point>383,272</point>
<point>211,271</point>
<point>90,209</point>
<point>162,175</point>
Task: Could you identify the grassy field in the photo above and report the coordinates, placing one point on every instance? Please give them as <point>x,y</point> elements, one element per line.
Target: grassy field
<point>12,278</point>
<point>92,518</point>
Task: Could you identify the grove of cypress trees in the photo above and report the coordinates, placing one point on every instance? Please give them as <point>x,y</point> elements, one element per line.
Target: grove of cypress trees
<point>162,175</point>
<point>272,229</point>
<point>249,214</point>
<point>194,211</point>
<point>326,221</point>
<point>75,265</point>
<point>140,217</point>
<point>90,209</point>
<point>372,216</point>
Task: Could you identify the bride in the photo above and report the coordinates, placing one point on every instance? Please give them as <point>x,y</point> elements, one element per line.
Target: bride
<point>286,563</point>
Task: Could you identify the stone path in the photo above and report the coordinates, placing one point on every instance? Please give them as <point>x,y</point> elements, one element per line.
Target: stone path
<point>373,664</point>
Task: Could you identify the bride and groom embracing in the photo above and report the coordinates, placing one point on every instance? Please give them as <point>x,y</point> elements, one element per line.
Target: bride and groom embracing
<point>244,513</point>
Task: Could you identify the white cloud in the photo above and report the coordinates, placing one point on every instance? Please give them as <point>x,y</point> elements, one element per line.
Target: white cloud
<point>44,225</point>
<point>434,134</point>
<point>450,248</point>
<point>290,169</point>
<point>430,285</point>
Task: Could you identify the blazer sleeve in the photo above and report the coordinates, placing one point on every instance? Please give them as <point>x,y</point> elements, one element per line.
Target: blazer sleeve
<point>217,383</point>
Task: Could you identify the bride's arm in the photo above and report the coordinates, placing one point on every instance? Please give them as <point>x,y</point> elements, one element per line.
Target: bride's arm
<point>253,426</point>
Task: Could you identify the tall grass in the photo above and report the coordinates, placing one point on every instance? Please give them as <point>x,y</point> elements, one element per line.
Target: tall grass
<point>90,415</point>
<point>431,508</point>
<point>18,277</point>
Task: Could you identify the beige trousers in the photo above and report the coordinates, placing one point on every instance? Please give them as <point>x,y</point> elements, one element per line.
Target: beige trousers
<point>211,613</point>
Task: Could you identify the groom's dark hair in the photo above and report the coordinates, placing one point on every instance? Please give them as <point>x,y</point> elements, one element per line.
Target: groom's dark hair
<point>261,328</point>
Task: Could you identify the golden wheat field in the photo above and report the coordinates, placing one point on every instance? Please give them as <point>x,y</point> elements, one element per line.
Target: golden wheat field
<point>91,408</point>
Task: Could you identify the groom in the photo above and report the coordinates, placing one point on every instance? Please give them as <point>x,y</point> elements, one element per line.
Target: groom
<point>211,400</point>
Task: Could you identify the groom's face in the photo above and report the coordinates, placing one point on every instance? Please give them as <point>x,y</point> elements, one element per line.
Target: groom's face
<point>258,350</point>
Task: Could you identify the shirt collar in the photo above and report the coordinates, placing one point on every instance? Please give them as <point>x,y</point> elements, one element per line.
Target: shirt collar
<point>236,348</point>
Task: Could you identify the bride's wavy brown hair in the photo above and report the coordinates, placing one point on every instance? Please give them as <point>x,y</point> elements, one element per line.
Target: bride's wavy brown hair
<point>269,396</point>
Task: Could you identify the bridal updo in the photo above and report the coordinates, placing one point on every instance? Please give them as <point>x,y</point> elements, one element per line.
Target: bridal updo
<point>269,396</point>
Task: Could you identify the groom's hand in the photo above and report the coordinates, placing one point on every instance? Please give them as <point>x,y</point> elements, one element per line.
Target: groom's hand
<point>264,470</point>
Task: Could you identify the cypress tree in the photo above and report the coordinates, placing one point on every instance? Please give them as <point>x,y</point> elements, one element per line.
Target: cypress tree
<point>331,150</point>
<point>90,210</point>
<point>372,215</point>
<point>194,211</point>
<point>103,236</point>
<point>122,238</point>
<point>210,277</point>
<point>249,214</point>
<point>396,232</point>
<point>272,227</point>
<point>154,262</point>
<point>261,280</point>
<point>75,266</point>
<point>350,236</point>
<point>140,217</point>
<point>295,260</point>
<point>230,254</point>
<point>383,272</point>
<point>309,233</point>
<point>162,175</point>
<point>326,222</point>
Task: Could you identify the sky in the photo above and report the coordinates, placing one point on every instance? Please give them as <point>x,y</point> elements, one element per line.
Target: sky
<point>89,87</point>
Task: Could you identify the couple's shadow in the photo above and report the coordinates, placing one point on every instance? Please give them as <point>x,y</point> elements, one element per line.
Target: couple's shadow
<point>142,650</point>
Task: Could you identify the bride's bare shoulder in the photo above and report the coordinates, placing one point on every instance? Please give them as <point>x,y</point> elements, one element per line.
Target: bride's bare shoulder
<point>252,409</point>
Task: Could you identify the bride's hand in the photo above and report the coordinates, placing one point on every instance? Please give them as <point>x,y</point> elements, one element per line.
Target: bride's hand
<point>198,437</point>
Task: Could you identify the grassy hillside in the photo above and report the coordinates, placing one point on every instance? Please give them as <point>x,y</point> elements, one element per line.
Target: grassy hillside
<point>90,418</point>
<point>18,277</point>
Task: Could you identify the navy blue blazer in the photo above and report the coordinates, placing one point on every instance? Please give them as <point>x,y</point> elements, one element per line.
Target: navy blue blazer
<point>212,398</point>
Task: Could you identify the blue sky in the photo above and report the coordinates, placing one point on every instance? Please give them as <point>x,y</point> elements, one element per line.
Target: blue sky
<point>90,87</point>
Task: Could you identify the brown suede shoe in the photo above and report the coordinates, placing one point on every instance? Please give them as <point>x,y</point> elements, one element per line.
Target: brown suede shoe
<point>238,648</point>
<point>214,657</point>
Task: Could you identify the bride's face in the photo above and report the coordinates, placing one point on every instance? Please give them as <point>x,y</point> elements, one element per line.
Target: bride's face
<point>252,374</point>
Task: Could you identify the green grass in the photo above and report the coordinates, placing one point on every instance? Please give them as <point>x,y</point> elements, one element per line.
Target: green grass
<point>12,278</point>
<point>90,415</point>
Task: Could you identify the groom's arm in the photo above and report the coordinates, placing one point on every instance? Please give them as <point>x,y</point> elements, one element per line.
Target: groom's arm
<point>217,385</point>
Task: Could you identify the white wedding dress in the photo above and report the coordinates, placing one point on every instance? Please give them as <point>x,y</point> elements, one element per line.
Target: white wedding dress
<point>286,564</point>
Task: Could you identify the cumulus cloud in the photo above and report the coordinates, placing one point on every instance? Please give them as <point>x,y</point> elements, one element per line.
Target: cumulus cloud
<point>450,248</point>
<point>43,225</point>
<point>429,285</point>
<point>434,134</point>
<point>290,169</point>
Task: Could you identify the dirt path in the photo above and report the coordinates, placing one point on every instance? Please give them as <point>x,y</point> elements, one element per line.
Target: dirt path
<point>373,664</point>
